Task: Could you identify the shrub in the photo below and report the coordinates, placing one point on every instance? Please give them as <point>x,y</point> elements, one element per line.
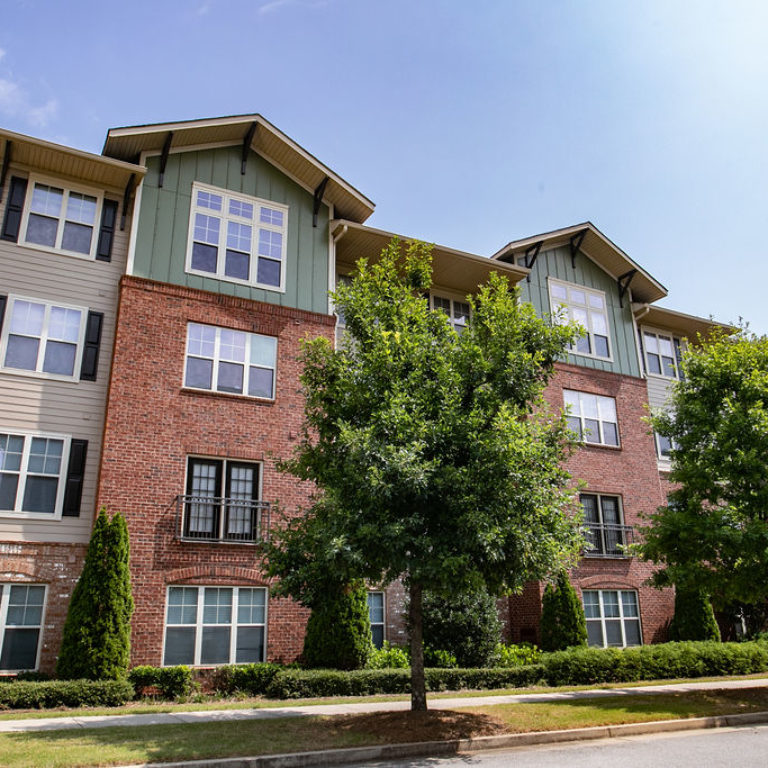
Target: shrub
<point>252,679</point>
<point>439,659</point>
<point>694,618</point>
<point>167,682</point>
<point>96,642</point>
<point>516,655</point>
<point>466,625</point>
<point>339,630</point>
<point>389,657</point>
<point>27,694</point>
<point>562,617</point>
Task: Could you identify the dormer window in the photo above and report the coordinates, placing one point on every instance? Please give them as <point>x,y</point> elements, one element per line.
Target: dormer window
<point>588,308</point>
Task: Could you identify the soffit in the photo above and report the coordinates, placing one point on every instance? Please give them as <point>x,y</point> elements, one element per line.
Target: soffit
<point>679,323</point>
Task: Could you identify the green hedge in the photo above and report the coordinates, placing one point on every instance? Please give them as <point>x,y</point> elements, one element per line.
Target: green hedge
<point>253,679</point>
<point>165,682</point>
<point>23,694</point>
<point>585,666</point>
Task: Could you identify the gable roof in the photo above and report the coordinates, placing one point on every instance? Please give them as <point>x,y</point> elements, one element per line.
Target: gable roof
<point>129,142</point>
<point>689,326</point>
<point>645,288</point>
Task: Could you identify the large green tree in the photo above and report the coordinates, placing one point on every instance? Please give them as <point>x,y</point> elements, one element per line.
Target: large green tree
<point>712,537</point>
<point>433,453</point>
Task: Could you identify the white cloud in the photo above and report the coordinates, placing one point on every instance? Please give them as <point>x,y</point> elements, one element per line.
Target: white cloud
<point>275,5</point>
<point>15,102</point>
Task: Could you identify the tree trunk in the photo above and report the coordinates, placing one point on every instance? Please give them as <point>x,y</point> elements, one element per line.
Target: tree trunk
<point>418,684</point>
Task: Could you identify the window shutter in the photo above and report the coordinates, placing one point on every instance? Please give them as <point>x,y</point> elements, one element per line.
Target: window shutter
<point>73,490</point>
<point>91,347</point>
<point>12,222</point>
<point>3,302</point>
<point>107,230</point>
<point>678,358</point>
<point>642,351</point>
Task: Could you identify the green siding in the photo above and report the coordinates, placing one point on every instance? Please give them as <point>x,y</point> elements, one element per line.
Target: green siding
<point>163,225</point>
<point>556,263</point>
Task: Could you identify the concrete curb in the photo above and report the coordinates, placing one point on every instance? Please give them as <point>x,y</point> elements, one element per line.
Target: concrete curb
<point>458,746</point>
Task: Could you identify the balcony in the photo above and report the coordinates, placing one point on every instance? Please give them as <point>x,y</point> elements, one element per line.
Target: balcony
<point>608,540</point>
<point>224,520</point>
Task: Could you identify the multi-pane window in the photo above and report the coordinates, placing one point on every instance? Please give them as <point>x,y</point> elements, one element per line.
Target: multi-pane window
<point>457,312</point>
<point>613,618</point>
<point>603,520</point>
<point>376,616</point>
<point>21,621</point>
<point>222,500</point>
<point>31,473</point>
<point>42,338</point>
<point>215,625</point>
<point>664,446</point>
<point>224,360</point>
<point>62,219</point>
<point>592,417</point>
<point>588,308</point>
<point>662,354</point>
<point>237,238</point>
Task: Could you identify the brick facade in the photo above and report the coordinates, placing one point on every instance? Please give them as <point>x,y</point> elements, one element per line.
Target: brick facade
<point>153,424</point>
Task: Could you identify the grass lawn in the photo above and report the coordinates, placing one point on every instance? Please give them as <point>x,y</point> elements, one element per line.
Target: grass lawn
<point>113,746</point>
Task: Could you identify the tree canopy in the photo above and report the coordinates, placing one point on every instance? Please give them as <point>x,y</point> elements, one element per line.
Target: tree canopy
<point>433,453</point>
<point>712,537</point>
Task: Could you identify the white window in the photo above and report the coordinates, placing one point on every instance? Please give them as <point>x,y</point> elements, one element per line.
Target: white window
<point>606,533</point>
<point>592,417</point>
<point>457,312</point>
<point>662,354</point>
<point>237,238</point>
<point>61,219</point>
<point>376,615</point>
<point>43,338</point>
<point>21,622</point>
<point>588,308</point>
<point>664,446</point>
<point>215,625</point>
<point>613,618</point>
<point>223,360</point>
<point>32,471</point>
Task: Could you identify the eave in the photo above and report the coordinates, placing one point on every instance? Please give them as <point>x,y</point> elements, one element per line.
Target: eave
<point>686,326</point>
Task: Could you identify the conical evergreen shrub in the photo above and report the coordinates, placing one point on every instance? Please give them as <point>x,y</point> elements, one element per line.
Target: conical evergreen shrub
<point>694,618</point>
<point>96,642</point>
<point>562,617</point>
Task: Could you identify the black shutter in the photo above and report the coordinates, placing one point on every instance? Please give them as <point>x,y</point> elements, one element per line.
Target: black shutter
<point>642,352</point>
<point>91,347</point>
<point>13,211</point>
<point>107,230</point>
<point>73,490</point>
<point>3,302</point>
<point>678,358</point>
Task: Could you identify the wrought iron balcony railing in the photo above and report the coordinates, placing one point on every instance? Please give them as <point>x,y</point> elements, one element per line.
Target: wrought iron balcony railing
<point>217,519</point>
<point>608,540</point>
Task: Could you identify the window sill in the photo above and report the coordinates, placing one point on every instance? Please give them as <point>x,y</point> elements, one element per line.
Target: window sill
<point>228,396</point>
<point>235,281</point>
<point>572,353</point>
<point>57,252</point>
<point>600,446</point>
<point>41,375</point>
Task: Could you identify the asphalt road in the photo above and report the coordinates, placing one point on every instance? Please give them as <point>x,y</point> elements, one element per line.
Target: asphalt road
<point>717,748</point>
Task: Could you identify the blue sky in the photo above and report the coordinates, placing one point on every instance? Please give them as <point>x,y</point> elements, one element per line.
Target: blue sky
<point>468,124</point>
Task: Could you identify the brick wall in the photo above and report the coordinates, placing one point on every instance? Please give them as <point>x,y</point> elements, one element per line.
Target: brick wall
<point>153,424</point>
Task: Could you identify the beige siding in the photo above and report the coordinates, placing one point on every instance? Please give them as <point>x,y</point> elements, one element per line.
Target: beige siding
<point>658,391</point>
<point>74,408</point>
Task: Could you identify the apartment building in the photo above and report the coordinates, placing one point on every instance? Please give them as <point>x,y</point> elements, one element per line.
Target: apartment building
<point>189,334</point>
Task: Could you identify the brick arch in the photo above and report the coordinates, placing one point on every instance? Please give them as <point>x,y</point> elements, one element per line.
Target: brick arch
<point>607,581</point>
<point>24,573</point>
<point>218,574</point>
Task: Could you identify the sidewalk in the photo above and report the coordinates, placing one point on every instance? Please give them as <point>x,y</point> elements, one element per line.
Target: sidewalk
<point>224,715</point>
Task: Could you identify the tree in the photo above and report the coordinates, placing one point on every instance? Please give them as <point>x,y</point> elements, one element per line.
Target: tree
<point>712,536</point>
<point>96,642</point>
<point>433,454</point>
<point>563,624</point>
<point>465,624</point>
<point>694,618</point>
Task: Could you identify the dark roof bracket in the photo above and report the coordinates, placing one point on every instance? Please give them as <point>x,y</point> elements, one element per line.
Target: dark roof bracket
<point>247,141</point>
<point>164,157</point>
<point>127,200</point>
<point>6,163</point>
<point>623,282</point>
<point>317,199</point>
<point>531,254</point>
<point>575,244</point>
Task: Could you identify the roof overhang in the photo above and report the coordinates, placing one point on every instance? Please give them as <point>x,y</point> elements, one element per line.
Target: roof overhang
<point>456,270</point>
<point>130,142</point>
<point>58,160</point>
<point>688,326</point>
<point>597,247</point>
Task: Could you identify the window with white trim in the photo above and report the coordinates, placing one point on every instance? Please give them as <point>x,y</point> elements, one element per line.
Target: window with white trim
<point>215,625</point>
<point>237,238</point>
<point>32,472</point>
<point>604,523</point>
<point>613,618</point>
<point>662,354</point>
<point>43,338</point>
<point>592,417</point>
<point>236,362</point>
<point>376,616</point>
<point>457,312</point>
<point>588,308</point>
<point>21,623</point>
<point>664,446</point>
